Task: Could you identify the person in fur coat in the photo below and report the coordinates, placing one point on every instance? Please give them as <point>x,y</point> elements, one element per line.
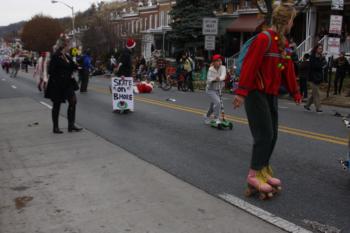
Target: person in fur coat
<point>40,72</point>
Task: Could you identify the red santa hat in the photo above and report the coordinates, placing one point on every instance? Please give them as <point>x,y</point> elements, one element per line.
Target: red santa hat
<point>217,57</point>
<point>130,43</point>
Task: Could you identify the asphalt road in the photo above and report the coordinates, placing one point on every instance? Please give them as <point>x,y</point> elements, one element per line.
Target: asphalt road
<point>172,136</point>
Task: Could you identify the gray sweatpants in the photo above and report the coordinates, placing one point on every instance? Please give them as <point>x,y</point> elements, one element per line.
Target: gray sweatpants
<point>315,97</point>
<point>214,104</point>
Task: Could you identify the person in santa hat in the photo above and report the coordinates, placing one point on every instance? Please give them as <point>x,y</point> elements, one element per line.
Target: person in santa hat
<point>125,59</point>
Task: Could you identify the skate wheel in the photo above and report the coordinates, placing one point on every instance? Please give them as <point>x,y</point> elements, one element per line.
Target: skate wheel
<point>279,189</point>
<point>250,191</point>
<point>263,196</point>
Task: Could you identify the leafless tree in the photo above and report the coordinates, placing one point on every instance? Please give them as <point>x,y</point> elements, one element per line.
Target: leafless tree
<point>40,33</point>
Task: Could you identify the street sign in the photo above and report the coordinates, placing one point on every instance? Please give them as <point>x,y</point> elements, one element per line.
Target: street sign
<point>210,26</point>
<point>209,43</point>
<point>333,45</point>
<point>335,24</point>
<point>337,5</point>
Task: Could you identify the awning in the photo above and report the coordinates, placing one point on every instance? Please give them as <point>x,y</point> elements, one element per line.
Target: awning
<point>246,23</point>
<point>158,30</point>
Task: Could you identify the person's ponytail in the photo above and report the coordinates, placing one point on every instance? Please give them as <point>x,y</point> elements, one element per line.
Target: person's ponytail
<point>281,16</point>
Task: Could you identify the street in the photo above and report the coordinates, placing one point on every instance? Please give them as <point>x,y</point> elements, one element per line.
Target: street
<point>173,137</point>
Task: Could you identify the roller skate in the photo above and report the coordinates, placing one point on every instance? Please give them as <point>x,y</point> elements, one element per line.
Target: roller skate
<point>257,184</point>
<point>345,163</point>
<point>273,181</point>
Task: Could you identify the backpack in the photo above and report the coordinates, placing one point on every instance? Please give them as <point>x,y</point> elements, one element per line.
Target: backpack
<point>244,51</point>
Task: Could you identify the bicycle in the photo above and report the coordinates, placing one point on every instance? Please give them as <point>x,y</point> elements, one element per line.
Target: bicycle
<point>174,77</point>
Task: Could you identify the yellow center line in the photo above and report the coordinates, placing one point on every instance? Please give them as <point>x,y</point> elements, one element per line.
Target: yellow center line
<point>284,129</point>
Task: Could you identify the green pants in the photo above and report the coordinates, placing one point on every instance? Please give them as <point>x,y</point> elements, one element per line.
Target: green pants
<point>262,113</point>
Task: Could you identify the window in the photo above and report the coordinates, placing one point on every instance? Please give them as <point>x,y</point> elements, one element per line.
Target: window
<point>156,20</point>
<point>168,19</point>
<point>150,21</point>
<point>145,23</point>
<point>161,18</point>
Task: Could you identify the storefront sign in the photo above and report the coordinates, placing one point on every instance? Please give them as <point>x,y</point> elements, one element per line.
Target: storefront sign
<point>122,93</point>
<point>209,43</point>
<point>333,45</point>
<point>335,24</point>
<point>337,5</point>
<point>210,26</point>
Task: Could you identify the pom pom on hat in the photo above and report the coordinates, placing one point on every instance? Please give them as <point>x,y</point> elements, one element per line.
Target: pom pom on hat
<point>130,43</point>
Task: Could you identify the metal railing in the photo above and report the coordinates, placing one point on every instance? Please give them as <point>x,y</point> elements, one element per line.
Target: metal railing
<point>324,43</point>
<point>345,46</point>
<point>231,61</point>
<point>304,47</point>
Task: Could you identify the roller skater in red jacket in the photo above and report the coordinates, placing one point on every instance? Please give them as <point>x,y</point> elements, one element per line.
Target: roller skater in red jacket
<point>261,76</point>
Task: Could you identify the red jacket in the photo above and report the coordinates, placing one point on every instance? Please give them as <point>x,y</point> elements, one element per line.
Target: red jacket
<point>267,73</point>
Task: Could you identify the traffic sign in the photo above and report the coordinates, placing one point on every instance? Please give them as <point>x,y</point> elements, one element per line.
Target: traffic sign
<point>210,26</point>
<point>209,43</point>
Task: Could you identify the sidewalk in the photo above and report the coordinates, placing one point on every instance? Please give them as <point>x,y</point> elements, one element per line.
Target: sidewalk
<point>78,182</point>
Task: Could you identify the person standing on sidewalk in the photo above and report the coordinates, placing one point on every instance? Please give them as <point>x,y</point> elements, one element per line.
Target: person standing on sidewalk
<point>304,70</point>
<point>61,85</point>
<point>215,81</point>
<point>188,67</point>
<point>260,80</point>
<point>317,62</point>
<point>41,71</point>
<point>342,66</point>
<point>86,66</point>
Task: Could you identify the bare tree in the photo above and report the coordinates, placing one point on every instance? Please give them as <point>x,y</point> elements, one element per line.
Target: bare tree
<point>40,33</point>
<point>99,38</point>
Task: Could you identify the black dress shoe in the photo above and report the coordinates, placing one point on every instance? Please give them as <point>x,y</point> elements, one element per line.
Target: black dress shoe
<point>57,130</point>
<point>75,129</point>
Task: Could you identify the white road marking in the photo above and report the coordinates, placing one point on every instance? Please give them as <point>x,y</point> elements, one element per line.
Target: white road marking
<point>13,86</point>
<point>262,214</point>
<point>46,105</point>
<point>282,107</point>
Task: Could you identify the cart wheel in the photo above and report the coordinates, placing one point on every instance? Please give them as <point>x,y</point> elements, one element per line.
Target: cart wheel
<point>219,126</point>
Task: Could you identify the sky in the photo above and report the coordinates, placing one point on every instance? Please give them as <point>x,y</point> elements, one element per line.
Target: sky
<point>13,11</point>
